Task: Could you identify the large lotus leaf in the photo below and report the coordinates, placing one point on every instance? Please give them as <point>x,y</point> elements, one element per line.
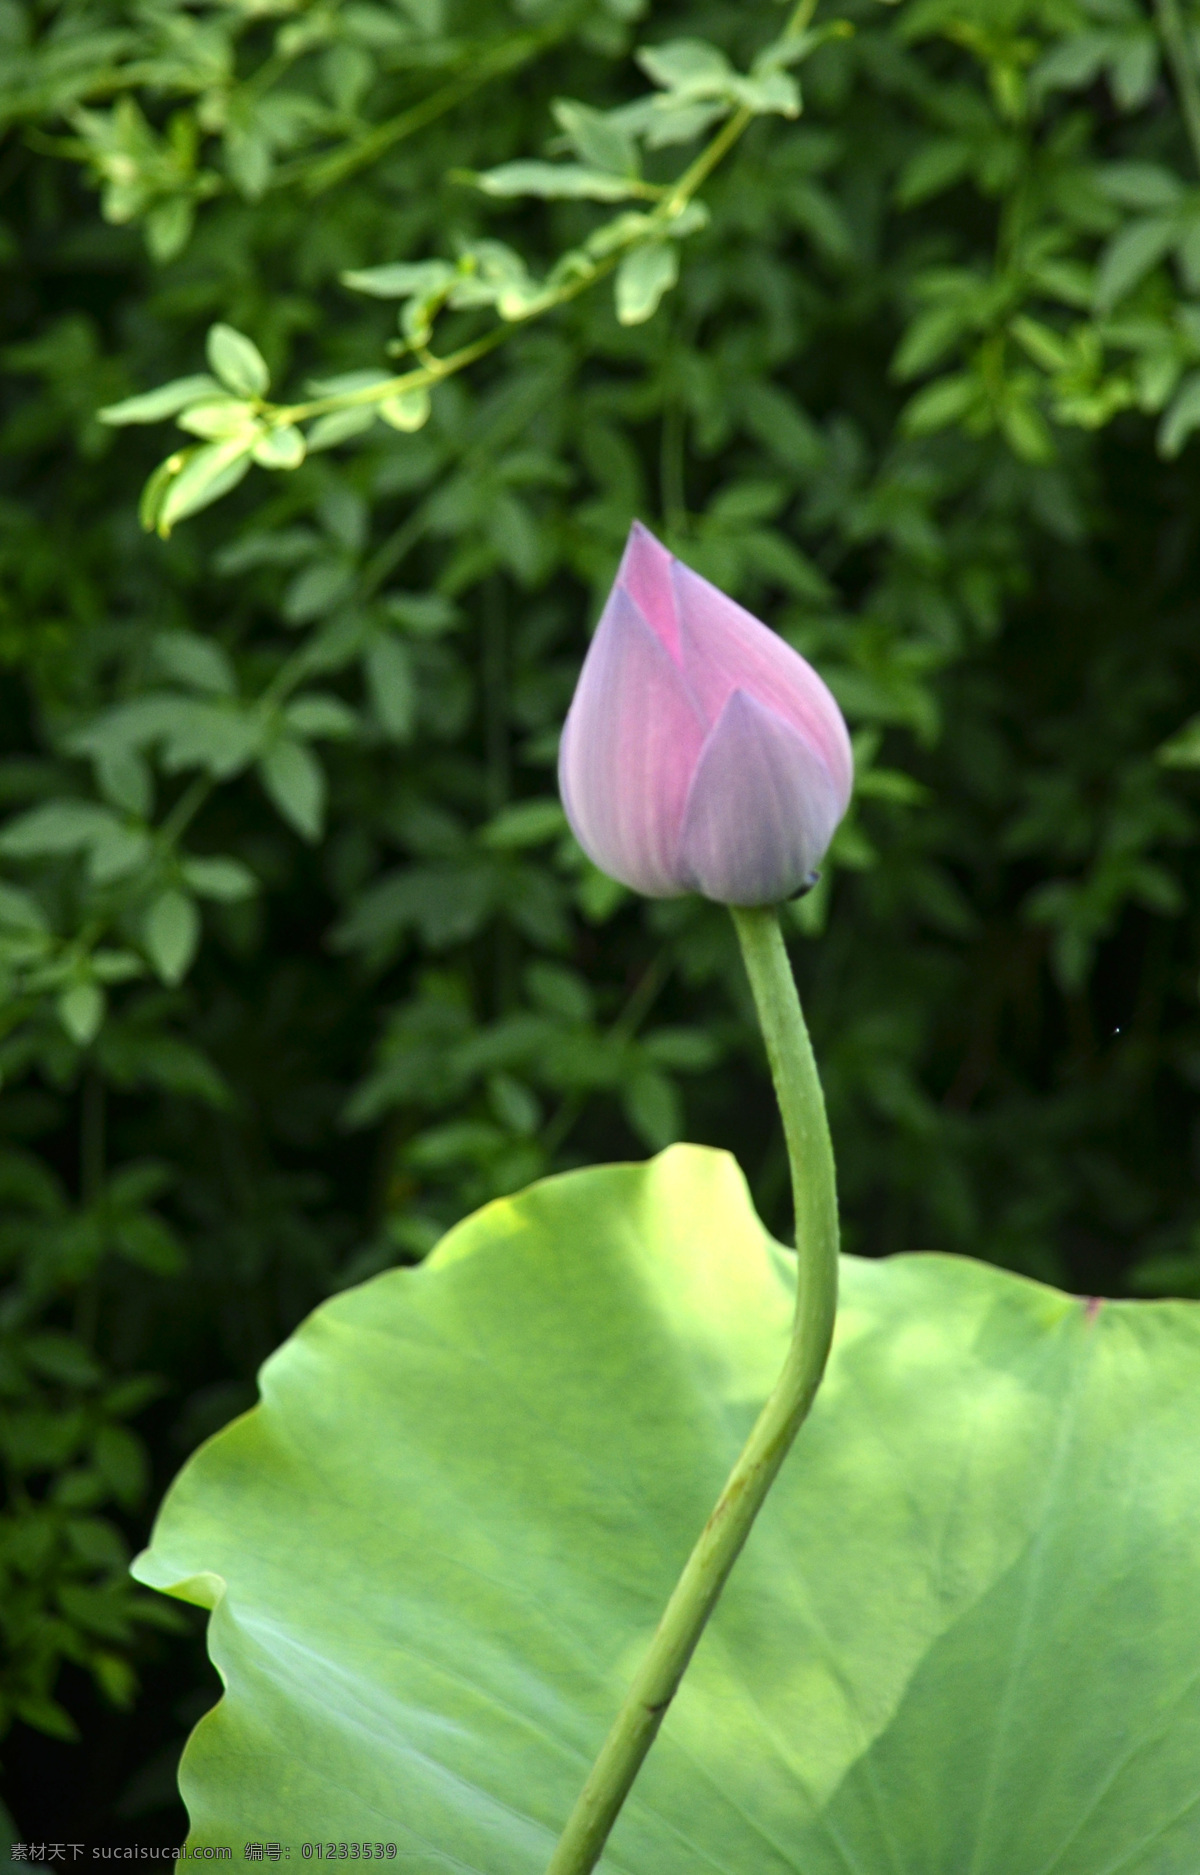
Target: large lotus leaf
<point>964,1638</point>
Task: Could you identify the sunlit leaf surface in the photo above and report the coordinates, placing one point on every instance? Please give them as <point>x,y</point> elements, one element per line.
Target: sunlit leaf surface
<point>962,1640</point>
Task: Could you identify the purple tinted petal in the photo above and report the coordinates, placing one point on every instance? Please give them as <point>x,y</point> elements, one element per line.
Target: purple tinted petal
<point>629,746</point>
<point>725,648</point>
<point>645,573</point>
<point>761,810</point>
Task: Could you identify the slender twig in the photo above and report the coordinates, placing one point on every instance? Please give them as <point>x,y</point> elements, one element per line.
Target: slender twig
<point>810,1153</point>
<point>1181,59</point>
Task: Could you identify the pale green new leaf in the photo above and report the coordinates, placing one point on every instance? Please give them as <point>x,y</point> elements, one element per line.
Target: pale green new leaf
<point>598,138</point>
<point>644,275</point>
<point>281,448</point>
<point>237,361</point>
<point>409,411</point>
<point>554,180</point>
<point>153,406</point>
<point>207,473</point>
<point>401,280</point>
<point>690,68</point>
<point>218,417</point>
<point>962,1635</point>
<point>337,426</point>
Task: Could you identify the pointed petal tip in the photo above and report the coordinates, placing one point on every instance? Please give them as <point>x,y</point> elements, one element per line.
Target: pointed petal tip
<point>724,647</point>
<point>645,574</point>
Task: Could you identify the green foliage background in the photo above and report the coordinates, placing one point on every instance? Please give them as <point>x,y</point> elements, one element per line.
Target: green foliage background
<point>299,963</point>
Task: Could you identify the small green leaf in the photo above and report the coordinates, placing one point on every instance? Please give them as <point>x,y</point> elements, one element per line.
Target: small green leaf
<point>408,411</point>
<point>208,473</point>
<point>44,1714</point>
<point>1027,431</point>
<point>1044,345</point>
<point>645,274</point>
<point>402,279</point>
<point>144,1239</point>
<point>1139,185</point>
<point>525,823</point>
<point>237,361</point>
<point>316,590</point>
<point>125,780</point>
<point>117,851</point>
<point>653,1108</point>
<point>555,181</point>
<point>167,227</point>
<point>391,686</point>
<point>1182,417</point>
<point>109,966</point>
<point>220,878</point>
<point>81,1011</point>
<point>598,139</point>
<point>115,1677</point>
<point>60,1357</point>
<point>282,448</point>
<point>171,932</point>
<point>424,614</point>
<point>153,406</point>
<point>940,404</point>
<point>199,663</point>
<point>55,827</point>
<point>671,123</point>
<point>514,1105</point>
<point>771,94</point>
<point>219,416</point>
<point>1183,748</point>
<point>295,781</point>
<point>155,491</point>
<point>1131,255</point>
<point>339,425</point>
<point>688,67</point>
<point>318,714</point>
<point>20,911</point>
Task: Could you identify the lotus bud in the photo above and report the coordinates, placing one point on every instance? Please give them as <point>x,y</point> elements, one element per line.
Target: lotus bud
<point>700,753</point>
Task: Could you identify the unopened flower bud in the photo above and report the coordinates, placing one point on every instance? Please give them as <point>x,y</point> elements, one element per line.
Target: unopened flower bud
<point>700,753</point>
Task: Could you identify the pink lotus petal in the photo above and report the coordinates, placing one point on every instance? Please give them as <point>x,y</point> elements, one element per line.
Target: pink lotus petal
<point>725,648</point>
<point>629,747</point>
<point>645,574</point>
<point>761,810</point>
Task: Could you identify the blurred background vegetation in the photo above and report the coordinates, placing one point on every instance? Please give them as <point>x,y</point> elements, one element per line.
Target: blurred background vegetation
<point>297,963</point>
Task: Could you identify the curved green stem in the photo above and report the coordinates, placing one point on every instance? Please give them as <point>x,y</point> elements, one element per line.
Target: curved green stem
<point>810,1153</point>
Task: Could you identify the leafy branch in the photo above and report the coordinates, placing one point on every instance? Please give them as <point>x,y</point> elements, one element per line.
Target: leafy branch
<point>228,409</point>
